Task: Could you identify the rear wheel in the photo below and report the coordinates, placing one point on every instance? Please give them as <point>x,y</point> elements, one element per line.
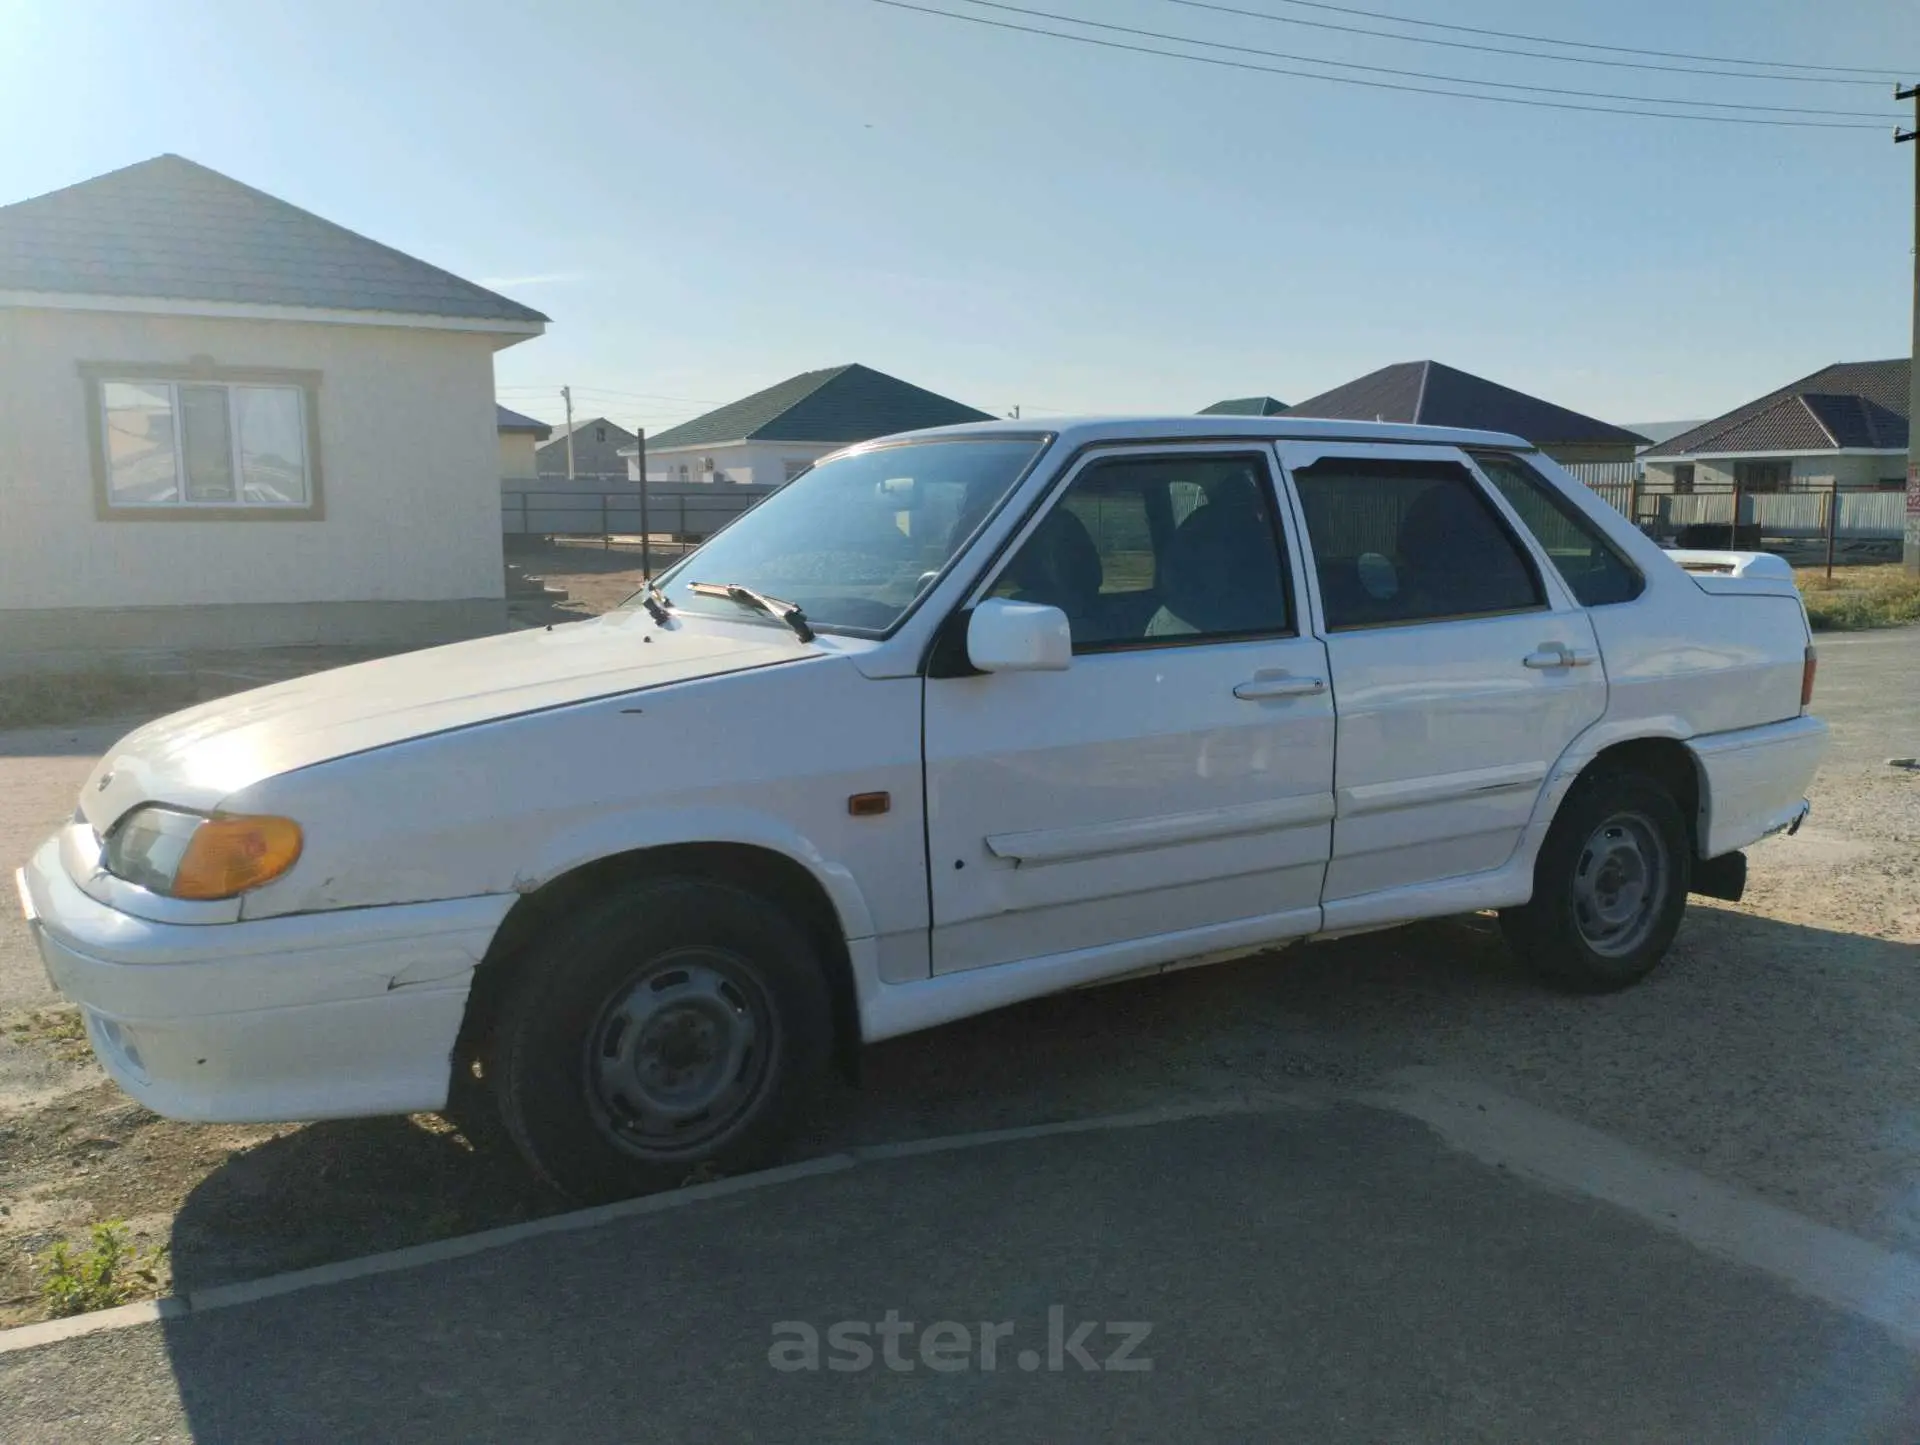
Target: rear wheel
<point>1609,886</point>
<point>671,1029</point>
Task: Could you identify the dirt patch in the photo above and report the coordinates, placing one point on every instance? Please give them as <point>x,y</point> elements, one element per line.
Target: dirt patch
<point>589,578</point>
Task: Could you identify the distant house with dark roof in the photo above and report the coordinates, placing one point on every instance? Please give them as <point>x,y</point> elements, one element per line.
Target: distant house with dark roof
<point>228,421</point>
<point>775,434</point>
<point>1432,394</point>
<point>597,445</point>
<point>1245,406</point>
<point>519,435</point>
<point>1846,425</point>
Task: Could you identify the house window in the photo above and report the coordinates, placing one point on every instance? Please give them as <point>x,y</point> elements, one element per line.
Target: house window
<point>600,434</point>
<point>1683,477</point>
<point>1762,476</point>
<point>1891,484</point>
<point>186,444</point>
<point>683,471</point>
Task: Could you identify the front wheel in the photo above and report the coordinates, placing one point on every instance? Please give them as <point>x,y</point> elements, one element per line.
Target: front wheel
<point>671,1029</point>
<point>1609,886</point>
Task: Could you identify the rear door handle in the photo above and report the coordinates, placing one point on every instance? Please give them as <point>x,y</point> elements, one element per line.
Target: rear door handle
<point>1262,686</point>
<point>1558,654</point>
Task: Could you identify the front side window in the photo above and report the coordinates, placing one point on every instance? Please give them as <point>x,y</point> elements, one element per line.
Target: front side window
<point>1595,571</point>
<point>1409,541</point>
<point>204,444</point>
<point>1147,550</point>
<point>861,537</point>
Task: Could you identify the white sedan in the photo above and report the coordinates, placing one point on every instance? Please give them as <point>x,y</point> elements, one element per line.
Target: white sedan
<point>956,719</point>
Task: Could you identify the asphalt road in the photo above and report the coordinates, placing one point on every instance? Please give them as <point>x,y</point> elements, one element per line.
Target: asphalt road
<point>1868,689</point>
<point>1325,1272</point>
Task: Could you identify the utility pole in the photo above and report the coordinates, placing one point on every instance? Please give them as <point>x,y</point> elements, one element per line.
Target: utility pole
<point>1911,551</point>
<point>566,395</point>
<point>646,525</point>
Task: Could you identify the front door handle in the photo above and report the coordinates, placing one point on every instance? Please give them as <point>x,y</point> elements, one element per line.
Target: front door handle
<point>1558,654</point>
<point>1264,685</point>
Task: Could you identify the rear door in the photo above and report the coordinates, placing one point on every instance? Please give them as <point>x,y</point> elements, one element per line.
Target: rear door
<point>1460,670</point>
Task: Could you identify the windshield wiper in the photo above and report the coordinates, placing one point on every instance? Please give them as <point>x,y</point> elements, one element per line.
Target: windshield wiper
<point>787,612</point>
<point>655,601</point>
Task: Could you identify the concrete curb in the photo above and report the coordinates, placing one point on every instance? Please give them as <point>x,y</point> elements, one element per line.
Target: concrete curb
<point>226,1296</point>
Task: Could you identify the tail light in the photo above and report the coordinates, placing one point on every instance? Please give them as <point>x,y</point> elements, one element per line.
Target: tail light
<point>1807,669</point>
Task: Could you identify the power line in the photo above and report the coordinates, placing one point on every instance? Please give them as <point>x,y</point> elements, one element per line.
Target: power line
<point>1423,74</point>
<point>1376,84</point>
<point>1509,50</point>
<point>1547,39</point>
<point>609,391</point>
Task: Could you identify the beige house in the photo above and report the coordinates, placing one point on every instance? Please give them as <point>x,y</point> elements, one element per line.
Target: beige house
<point>226,421</point>
<point>520,437</point>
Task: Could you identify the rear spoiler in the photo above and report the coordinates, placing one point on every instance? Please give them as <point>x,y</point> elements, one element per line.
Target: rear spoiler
<point>1732,564</point>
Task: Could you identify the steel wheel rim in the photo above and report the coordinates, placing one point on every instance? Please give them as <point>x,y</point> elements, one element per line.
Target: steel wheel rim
<point>679,1053</point>
<point>1620,883</point>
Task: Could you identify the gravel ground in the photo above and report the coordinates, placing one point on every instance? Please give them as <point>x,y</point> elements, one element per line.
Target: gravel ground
<point>1778,1049</point>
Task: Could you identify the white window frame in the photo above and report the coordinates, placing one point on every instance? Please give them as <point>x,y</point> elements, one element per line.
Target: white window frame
<point>172,385</point>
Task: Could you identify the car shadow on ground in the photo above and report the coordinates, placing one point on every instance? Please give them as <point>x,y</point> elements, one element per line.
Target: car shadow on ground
<point>1754,1033</point>
<point>1752,1027</point>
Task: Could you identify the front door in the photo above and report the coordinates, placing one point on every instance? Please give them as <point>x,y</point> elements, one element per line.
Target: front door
<point>1460,671</point>
<point>1179,773</point>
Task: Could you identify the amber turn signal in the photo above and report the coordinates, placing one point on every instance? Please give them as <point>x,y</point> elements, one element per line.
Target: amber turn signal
<point>1807,670</point>
<point>229,854</point>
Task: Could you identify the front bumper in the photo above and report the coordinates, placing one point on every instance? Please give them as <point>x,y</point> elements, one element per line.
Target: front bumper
<point>317,1016</point>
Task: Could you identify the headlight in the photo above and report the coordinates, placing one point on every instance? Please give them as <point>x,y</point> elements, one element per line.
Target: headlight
<point>190,855</point>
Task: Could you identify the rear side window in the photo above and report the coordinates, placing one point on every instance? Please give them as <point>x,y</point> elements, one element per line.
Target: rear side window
<point>1410,541</point>
<point>1595,570</point>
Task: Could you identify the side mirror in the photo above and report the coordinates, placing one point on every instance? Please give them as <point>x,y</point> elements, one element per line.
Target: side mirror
<point>1005,636</point>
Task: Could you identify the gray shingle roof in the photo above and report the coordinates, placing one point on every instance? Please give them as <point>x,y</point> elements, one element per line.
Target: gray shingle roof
<point>1245,406</point>
<point>1432,394</point>
<point>841,404</point>
<point>171,229</point>
<point>561,430</point>
<point>1847,404</point>
<point>506,420</point>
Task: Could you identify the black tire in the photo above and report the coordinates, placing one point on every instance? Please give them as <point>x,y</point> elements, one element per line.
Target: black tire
<point>1592,925</point>
<point>671,1031</point>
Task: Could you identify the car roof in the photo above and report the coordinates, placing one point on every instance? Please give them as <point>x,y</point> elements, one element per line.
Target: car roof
<point>1078,431</point>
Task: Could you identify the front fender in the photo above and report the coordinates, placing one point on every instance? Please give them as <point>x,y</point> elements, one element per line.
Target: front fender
<point>593,839</point>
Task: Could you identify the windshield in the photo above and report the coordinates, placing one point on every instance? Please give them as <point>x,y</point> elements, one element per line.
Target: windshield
<point>856,540</point>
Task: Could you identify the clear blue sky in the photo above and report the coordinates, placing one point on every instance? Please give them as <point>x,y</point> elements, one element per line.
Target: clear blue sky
<point>709,195</point>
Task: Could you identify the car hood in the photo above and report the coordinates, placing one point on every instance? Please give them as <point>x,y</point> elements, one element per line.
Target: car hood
<point>198,757</point>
